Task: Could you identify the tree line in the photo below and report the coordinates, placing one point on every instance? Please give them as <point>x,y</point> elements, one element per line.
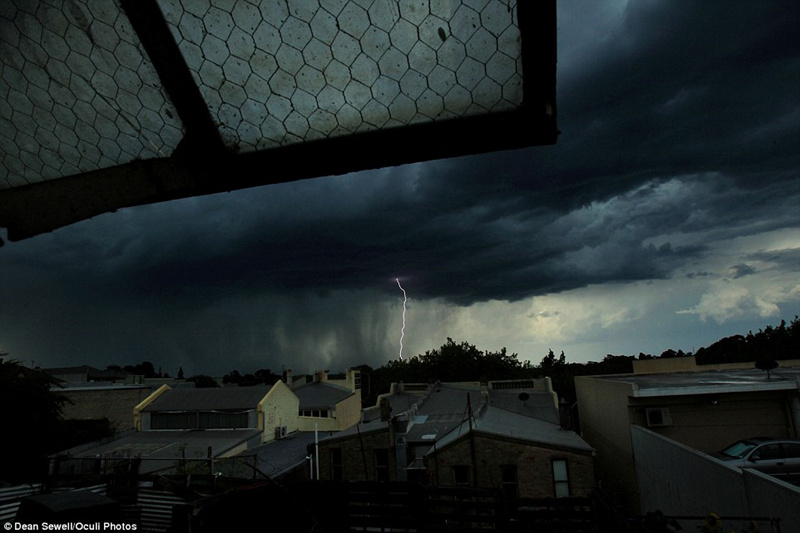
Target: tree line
<point>461,361</point>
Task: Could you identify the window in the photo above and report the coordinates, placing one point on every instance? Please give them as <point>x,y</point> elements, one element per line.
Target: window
<point>382,465</point>
<point>220,420</point>
<point>173,420</point>
<point>461,475</point>
<point>767,452</point>
<point>508,477</point>
<point>315,413</point>
<point>199,420</point>
<point>791,451</point>
<point>561,478</point>
<point>336,464</point>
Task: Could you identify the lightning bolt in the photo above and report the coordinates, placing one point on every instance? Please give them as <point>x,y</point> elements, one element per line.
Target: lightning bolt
<point>403,329</point>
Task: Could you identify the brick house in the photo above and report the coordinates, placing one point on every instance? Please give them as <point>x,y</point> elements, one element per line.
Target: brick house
<point>501,435</point>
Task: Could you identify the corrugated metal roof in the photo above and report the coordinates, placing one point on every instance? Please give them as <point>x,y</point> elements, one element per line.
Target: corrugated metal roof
<point>321,395</point>
<point>280,456</point>
<point>503,423</point>
<point>171,444</point>
<point>206,399</point>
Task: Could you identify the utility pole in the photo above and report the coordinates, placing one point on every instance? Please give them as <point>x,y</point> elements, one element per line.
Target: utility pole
<point>472,444</point>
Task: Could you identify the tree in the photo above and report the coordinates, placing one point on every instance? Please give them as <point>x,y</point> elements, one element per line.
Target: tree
<point>180,372</point>
<point>451,362</point>
<point>145,368</point>
<point>31,418</point>
<point>549,361</point>
<point>232,377</point>
<point>201,381</point>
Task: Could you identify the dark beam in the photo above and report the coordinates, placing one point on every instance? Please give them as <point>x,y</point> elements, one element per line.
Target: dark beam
<point>202,136</point>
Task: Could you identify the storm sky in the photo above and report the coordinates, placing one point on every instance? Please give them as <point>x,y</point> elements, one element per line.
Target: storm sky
<point>666,216</point>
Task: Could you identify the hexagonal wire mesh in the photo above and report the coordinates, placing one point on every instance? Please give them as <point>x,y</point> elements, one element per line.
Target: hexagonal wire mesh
<point>79,93</point>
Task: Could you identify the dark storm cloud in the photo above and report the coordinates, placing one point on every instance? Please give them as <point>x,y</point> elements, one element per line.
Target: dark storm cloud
<point>682,118</point>
<point>702,91</point>
<point>685,87</point>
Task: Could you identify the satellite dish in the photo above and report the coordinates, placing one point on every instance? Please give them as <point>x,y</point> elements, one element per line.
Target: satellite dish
<point>523,396</point>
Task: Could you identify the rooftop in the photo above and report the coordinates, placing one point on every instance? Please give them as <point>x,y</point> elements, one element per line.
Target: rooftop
<point>440,414</point>
<point>167,445</point>
<point>321,395</point>
<point>502,423</point>
<point>278,457</point>
<point>708,382</point>
<point>209,398</point>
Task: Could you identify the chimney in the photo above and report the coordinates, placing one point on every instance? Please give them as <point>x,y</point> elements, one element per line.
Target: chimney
<point>320,376</point>
<point>289,381</point>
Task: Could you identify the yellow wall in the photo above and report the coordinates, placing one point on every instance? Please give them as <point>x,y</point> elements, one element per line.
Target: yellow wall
<point>278,408</point>
<point>346,414</point>
<point>137,411</point>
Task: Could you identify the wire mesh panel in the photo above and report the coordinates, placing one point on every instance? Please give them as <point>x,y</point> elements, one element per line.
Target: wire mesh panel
<point>77,92</point>
<point>148,100</point>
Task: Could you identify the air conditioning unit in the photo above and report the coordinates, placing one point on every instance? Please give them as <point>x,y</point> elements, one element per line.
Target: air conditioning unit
<point>658,417</point>
<point>280,432</point>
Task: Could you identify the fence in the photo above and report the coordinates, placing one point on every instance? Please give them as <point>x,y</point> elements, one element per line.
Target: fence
<point>10,497</point>
<point>406,507</point>
<point>83,467</point>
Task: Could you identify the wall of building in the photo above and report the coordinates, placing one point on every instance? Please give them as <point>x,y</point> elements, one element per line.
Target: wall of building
<point>689,364</point>
<point>534,465</point>
<point>352,380</point>
<point>358,455</point>
<point>279,407</point>
<point>114,403</point>
<point>603,411</point>
<point>678,480</point>
<point>709,423</point>
<point>346,414</point>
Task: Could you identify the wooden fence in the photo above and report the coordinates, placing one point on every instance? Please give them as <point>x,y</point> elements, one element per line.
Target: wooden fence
<point>412,508</point>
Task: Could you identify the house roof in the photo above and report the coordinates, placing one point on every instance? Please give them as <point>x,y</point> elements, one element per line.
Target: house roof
<point>708,382</point>
<point>540,405</point>
<point>501,423</point>
<point>163,445</point>
<point>442,412</point>
<point>90,372</point>
<point>280,456</point>
<point>321,395</point>
<point>204,399</point>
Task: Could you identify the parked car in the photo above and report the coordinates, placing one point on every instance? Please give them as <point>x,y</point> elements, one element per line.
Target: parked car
<point>777,457</point>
